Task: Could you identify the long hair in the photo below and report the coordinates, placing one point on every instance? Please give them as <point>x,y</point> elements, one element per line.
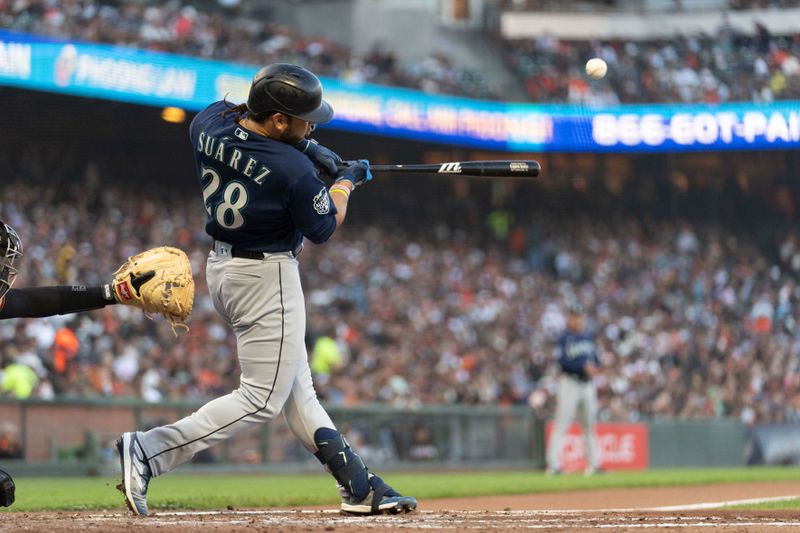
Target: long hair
<point>241,111</point>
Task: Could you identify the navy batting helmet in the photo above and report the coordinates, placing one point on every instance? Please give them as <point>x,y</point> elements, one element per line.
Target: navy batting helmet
<point>10,251</point>
<point>291,90</point>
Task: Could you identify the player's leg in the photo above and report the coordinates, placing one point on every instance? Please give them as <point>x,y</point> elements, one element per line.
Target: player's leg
<point>259,300</point>
<point>362,492</point>
<point>302,410</point>
<point>566,404</point>
<point>588,395</point>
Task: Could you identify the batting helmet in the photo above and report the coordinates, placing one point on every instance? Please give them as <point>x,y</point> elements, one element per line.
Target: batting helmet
<point>10,250</point>
<point>291,90</point>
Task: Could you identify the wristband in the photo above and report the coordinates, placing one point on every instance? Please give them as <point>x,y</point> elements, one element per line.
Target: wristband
<point>340,189</point>
<point>108,292</point>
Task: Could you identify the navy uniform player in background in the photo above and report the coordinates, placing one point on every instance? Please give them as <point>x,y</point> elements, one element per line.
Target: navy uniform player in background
<point>262,197</point>
<point>35,302</point>
<point>576,351</point>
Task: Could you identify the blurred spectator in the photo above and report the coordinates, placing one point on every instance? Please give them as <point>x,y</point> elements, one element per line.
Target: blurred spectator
<point>19,379</point>
<point>422,446</point>
<point>325,357</point>
<point>9,441</point>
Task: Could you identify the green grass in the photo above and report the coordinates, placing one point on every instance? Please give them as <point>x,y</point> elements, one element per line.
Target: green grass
<point>770,506</point>
<point>190,491</point>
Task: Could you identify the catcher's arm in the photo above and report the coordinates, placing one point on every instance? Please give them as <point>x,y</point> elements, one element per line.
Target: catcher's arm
<point>38,302</point>
<point>156,281</point>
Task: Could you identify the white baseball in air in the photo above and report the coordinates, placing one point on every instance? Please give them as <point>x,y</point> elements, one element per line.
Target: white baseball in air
<point>596,68</point>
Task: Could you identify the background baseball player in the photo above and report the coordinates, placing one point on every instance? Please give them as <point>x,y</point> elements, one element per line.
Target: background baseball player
<point>576,351</point>
<point>262,196</point>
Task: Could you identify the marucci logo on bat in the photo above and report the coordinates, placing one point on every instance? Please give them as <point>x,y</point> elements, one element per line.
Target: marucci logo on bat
<point>518,166</point>
<point>450,168</point>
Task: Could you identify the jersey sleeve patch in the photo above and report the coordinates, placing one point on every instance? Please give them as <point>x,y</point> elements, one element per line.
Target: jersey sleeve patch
<point>322,202</point>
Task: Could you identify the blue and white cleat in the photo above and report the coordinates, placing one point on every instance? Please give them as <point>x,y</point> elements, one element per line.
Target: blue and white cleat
<point>382,499</point>
<point>135,473</point>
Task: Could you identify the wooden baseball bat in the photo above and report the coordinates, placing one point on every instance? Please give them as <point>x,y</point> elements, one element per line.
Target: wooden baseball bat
<point>489,169</point>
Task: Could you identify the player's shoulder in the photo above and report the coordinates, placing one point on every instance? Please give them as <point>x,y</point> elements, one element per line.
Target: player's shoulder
<point>216,108</point>
<point>294,162</point>
<point>211,112</point>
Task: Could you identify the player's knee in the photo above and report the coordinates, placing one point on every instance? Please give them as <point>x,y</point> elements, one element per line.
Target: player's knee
<point>258,398</point>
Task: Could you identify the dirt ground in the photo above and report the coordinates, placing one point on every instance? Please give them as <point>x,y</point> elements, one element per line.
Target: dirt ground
<point>664,508</point>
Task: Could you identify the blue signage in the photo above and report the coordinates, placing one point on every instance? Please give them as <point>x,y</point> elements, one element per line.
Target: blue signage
<point>160,79</point>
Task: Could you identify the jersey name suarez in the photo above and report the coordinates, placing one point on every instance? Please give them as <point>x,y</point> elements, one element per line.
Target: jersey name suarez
<point>260,194</point>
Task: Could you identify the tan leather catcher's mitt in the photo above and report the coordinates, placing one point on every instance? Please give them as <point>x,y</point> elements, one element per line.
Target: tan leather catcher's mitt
<point>158,280</point>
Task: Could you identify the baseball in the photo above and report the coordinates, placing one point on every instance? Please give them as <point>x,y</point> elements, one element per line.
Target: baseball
<point>596,68</point>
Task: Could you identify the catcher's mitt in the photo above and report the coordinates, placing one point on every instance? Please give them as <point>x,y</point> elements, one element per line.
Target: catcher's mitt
<point>6,489</point>
<point>158,280</point>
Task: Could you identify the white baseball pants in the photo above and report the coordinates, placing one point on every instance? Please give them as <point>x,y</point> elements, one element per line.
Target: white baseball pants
<point>573,392</point>
<point>262,300</point>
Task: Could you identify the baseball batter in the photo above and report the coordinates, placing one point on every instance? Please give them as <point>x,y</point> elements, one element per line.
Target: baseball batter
<point>262,197</point>
<point>576,351</point>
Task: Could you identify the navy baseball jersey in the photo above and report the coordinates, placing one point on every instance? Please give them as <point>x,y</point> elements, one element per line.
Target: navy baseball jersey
<point>574,351</point>
<point>260,194</point>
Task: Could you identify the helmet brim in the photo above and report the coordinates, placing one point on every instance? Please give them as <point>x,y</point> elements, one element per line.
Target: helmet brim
<point>321,115</point>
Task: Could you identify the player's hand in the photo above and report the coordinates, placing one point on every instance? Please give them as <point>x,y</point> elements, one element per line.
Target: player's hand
<point>356,172</point>
<point>325,159</point>
<point>591,370</point>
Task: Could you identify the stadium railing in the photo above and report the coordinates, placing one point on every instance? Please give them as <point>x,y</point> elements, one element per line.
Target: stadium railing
<point>74,437</point>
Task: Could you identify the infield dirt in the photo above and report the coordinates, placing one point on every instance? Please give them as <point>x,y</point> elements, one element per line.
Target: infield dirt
<point>607,509</point>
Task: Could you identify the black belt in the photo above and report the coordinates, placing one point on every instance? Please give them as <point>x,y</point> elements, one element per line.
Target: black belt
<point>244,254</point>
<point>577,377</point>
<point>247,254</point>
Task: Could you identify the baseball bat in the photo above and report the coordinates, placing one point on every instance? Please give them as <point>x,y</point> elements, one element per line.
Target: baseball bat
<point>489,169</point>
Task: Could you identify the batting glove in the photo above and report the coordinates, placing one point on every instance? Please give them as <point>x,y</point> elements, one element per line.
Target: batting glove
<point>323,158</point>
<point>356,172</point>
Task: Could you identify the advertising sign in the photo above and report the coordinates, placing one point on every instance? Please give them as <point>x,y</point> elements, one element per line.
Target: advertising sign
<point>622,446</point>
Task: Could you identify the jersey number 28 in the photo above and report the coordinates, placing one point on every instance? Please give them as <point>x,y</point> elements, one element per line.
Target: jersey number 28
<point>226,211</point>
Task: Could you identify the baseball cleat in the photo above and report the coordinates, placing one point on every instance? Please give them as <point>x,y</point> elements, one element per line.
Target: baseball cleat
<point>382,499</point>
<point>552,472</point>
<point>135,473</point>
<point>592,470</point>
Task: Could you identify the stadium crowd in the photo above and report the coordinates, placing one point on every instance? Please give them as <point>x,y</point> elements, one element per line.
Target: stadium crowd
<point>607,5</point>
<point>726,66</point>
<point>694,321</point>
<point>223,31</point>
